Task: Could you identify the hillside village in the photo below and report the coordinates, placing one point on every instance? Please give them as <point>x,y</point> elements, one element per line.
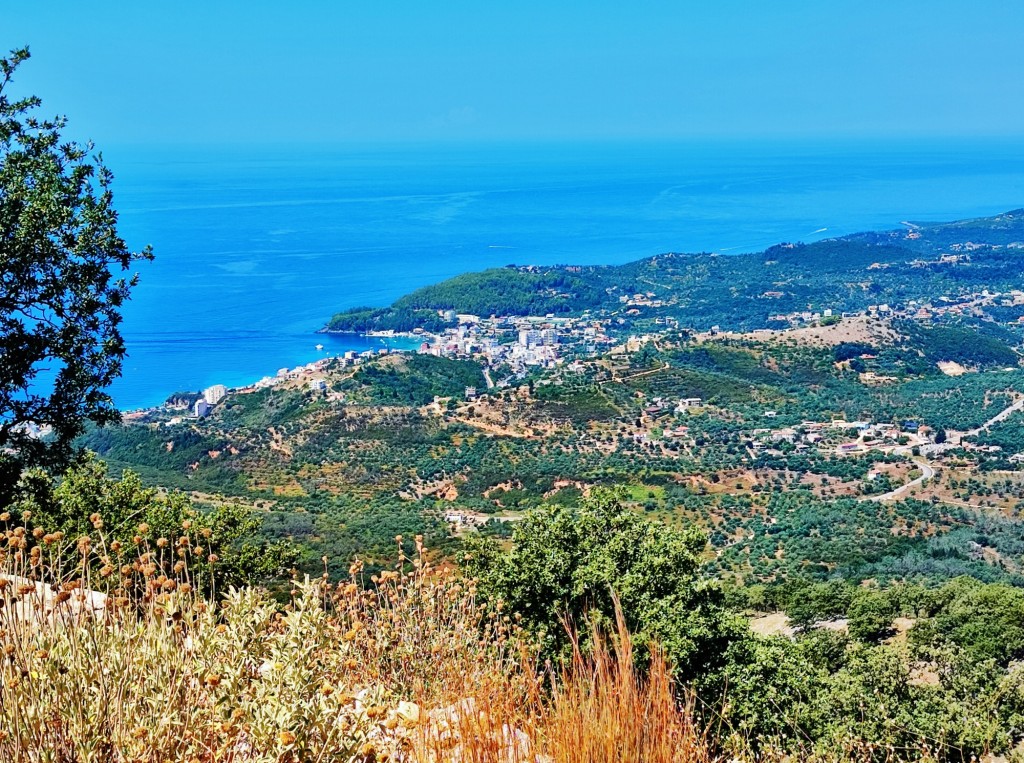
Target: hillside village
<point>523,362</point>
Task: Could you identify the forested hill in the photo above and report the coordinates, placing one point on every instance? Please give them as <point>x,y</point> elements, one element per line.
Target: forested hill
<point>1000,230</point>
<point>920,261</point>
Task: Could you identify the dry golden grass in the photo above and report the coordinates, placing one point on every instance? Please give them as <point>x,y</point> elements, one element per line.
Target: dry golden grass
<point>110,653</point>
<point>602,711</point>
<point>596,709</point>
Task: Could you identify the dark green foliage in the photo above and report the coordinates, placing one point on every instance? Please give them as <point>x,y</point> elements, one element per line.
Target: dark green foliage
<point>263,408</point>
<point>146,452</point>
<point>1007,435</point>
<point>870,615</point>
<point>741,291</point>
<point>850,350</point>
<point>983,347</point>
<point>577,403</point>
<point>510,291</point>
<point>735,364</point>
<point>60,297</point>
<point>414,380</point>
<point>806,604</point>
<point>365,319</point>
<point>567,565</point>
<point>499,291</point>
<point>842,254</point>
<point>987,621</point>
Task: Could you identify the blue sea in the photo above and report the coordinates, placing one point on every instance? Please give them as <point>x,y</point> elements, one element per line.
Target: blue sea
<point>257,247</point>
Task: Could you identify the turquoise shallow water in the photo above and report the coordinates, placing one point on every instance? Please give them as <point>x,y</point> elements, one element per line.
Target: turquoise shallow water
<point>256,248</point>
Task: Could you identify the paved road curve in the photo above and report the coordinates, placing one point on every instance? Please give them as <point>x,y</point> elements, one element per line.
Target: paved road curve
<point>1003,414</point>
<point>927,472</point>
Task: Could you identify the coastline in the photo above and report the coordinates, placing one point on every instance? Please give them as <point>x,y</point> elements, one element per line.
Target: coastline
<point>238,287</point>
<point>266,377</point>
<point>375,334</point>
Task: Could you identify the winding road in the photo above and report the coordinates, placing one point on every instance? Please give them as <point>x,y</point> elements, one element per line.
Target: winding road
<point>927,470</point>
<point>1003,414</point>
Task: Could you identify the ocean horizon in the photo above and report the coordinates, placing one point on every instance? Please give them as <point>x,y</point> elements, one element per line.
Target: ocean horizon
<point>256,248</point>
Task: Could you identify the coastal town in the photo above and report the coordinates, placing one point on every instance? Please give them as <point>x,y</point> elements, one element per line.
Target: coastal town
<point>703,398</point>
<point>552,352</point>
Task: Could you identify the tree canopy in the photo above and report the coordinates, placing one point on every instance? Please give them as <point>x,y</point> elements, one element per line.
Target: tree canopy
<point>61,291</point>
<point>568,565</point>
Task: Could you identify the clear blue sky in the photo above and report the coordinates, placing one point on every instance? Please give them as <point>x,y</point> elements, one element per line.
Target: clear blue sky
<point>337,71</point>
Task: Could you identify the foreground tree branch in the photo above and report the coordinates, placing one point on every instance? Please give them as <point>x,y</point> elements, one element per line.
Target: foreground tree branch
<point>60,289</point>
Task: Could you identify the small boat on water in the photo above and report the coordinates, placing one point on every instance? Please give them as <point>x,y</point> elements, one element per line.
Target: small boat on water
<point>319,346</point>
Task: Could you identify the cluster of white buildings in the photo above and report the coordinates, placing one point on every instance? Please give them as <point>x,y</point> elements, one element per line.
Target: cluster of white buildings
<point>647,299</point>
<point>806,316</point>
<point>845,437</point>
<point>970,305</point>
<point>520,342</point>
<point>312,375</point>
<point>211,396</point>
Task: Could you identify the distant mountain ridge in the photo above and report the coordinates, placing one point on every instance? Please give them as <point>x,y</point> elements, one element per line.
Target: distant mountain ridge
<point>921,261</point>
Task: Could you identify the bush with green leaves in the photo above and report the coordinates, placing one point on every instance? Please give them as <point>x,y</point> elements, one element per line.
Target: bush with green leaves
<point>233,552</point>
<point>567,565</point>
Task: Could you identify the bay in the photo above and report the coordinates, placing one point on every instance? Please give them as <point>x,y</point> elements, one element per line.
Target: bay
<point>256,247</point>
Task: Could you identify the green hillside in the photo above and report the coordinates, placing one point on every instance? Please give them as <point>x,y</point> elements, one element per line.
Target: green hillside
<point>739,291</point>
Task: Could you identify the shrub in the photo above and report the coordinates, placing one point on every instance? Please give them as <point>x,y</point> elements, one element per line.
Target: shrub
<point>565,563</point>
